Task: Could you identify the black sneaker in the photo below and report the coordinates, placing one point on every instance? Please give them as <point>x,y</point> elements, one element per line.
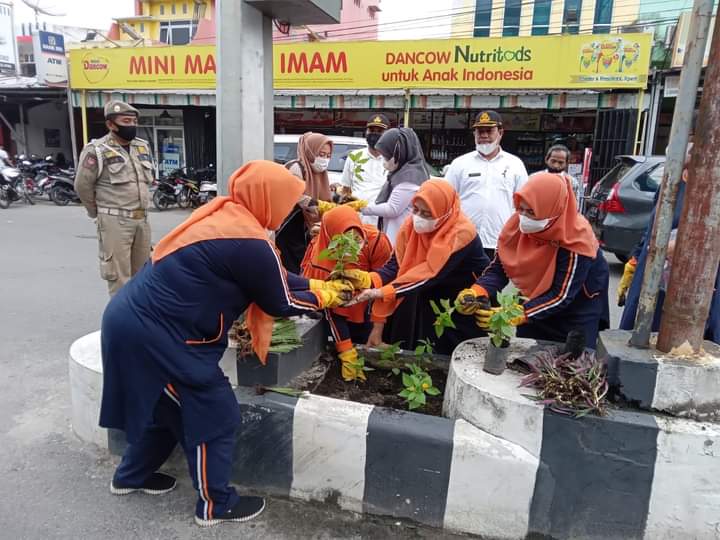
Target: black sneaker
<point>157,484</point>
<point>244,510</point>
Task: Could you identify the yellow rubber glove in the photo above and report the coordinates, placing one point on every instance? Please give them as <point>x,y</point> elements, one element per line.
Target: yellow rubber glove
<point>468,301</point>
<point>324,206</point>
<point>329,299</point>
<point>356,205</point>
<point>360,279</point>
<point>351,369</point>
<point>482,317</point>
<point>626,281</point>
<point>342,286</point>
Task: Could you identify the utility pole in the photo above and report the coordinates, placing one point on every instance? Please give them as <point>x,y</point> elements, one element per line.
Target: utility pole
<point>244,87</point>
<point>679,135</point>
<point>697,251</point>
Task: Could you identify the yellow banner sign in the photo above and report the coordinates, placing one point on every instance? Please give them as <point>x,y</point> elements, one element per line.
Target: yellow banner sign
<point>546,62</point>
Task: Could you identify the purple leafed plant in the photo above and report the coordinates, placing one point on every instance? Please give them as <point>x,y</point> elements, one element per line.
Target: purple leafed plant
<point>572,386</point>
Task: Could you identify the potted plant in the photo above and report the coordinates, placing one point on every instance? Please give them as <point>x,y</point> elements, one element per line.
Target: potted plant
<point>501,330</point>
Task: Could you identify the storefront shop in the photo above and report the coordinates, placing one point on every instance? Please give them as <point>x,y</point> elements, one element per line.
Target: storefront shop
<point>548,89</point>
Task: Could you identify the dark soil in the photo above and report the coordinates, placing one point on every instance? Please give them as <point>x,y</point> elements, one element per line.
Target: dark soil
<point>381,387</point>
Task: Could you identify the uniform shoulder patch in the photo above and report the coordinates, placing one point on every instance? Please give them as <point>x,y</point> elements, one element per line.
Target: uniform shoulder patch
<point>90,162</point>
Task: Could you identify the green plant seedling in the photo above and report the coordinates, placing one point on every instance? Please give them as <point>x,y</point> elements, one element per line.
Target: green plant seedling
<point>444,316</point>
<point>418,385</point>
<point>501,330</point>
<point>389,353</point>
<point>359,365</point>
<point>424,351</point>
<point>357,164</point>
<point>343,249</point>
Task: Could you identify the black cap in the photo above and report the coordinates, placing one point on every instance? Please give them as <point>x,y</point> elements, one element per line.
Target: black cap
<point>378,120</point>
<point>488,119</point>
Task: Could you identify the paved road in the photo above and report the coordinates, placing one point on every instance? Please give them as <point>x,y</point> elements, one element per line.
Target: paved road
<point>55,486</point>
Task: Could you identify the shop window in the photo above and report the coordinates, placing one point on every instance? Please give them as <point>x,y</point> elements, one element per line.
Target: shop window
<point>541,18</point>
<point>511,18</point>
<point>603,16</point>
<point>483,13</point>
<point>177,32</point>
<point>571,16</point>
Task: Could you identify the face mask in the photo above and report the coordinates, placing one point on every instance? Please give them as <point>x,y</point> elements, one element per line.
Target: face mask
<point>127,133</point>
<point>390,164</point>
<point>320,164</point>
<point>487,148</point>
<point>423,225</point>
<point>372,139</point>
<point>530,225</point>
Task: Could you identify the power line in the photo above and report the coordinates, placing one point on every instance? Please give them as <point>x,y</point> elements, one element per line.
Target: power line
<point>617,24</point>
<point>346,31</point>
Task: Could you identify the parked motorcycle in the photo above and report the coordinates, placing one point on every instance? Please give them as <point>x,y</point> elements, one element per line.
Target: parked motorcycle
<point>62,190</point>
<point>166,193</point>
<point>208,191</point>
<point>12,187</point>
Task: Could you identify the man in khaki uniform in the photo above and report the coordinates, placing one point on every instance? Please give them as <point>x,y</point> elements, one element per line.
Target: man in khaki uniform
<point>112,183</point>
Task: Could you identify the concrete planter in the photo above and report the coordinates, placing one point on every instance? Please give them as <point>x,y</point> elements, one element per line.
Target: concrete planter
<point>631,474</point>
<point>436,471</point>
<point>656,381</point>
<point>499,465</point>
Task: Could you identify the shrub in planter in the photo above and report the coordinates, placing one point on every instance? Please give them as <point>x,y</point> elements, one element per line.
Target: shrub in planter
<point>568,385</point>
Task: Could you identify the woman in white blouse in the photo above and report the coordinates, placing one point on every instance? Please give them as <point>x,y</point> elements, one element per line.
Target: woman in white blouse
<point>403,158</point>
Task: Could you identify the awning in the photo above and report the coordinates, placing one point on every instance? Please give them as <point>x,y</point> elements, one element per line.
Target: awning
<point>382,99</point>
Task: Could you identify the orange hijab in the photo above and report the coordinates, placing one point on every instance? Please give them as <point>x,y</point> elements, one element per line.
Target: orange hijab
<point>317,184</point>
<point>262,194</point>
<point>423,256</point>
<point>374,255</point>
<point>529,259</point>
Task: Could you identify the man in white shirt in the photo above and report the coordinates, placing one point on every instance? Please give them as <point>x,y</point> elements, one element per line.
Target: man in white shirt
<point>364,175</point>
<point>557,160</point>
<point>486,180</point>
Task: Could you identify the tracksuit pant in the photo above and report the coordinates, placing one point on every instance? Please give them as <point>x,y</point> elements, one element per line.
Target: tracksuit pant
<point>210,463</point>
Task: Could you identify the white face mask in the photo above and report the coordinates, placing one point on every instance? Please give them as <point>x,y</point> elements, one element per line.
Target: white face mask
<point>390,164</point>
<point>320,164</point>
<point>530,225</point>
<point>487,148</point>
<point>423,225</point>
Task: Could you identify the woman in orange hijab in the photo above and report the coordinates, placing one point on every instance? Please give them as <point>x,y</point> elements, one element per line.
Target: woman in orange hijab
<point>438,253</point>
<point>165,332</point>
<point>348,325</point>
<point>551,255</point>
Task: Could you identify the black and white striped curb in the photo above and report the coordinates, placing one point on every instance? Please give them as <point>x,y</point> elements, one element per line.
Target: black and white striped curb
<point>629,475</point>
<point>656,381</point>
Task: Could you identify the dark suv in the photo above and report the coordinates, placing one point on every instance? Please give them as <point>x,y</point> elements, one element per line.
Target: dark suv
<point>620,204</point>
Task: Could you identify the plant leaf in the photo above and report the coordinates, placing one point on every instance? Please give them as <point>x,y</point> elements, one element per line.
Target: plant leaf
<point>432,391</point>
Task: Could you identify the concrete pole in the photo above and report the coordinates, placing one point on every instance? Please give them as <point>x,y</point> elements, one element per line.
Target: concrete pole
<point>679,135</point>
<point>697,249</point>
<point>244,87</point>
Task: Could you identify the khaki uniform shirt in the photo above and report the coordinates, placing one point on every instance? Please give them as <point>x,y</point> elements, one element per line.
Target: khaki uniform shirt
<point>110,177</point>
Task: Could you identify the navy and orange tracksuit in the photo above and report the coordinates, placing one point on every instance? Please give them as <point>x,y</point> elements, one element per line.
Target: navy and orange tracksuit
<point>576,300</point>
<point>163,336</point>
